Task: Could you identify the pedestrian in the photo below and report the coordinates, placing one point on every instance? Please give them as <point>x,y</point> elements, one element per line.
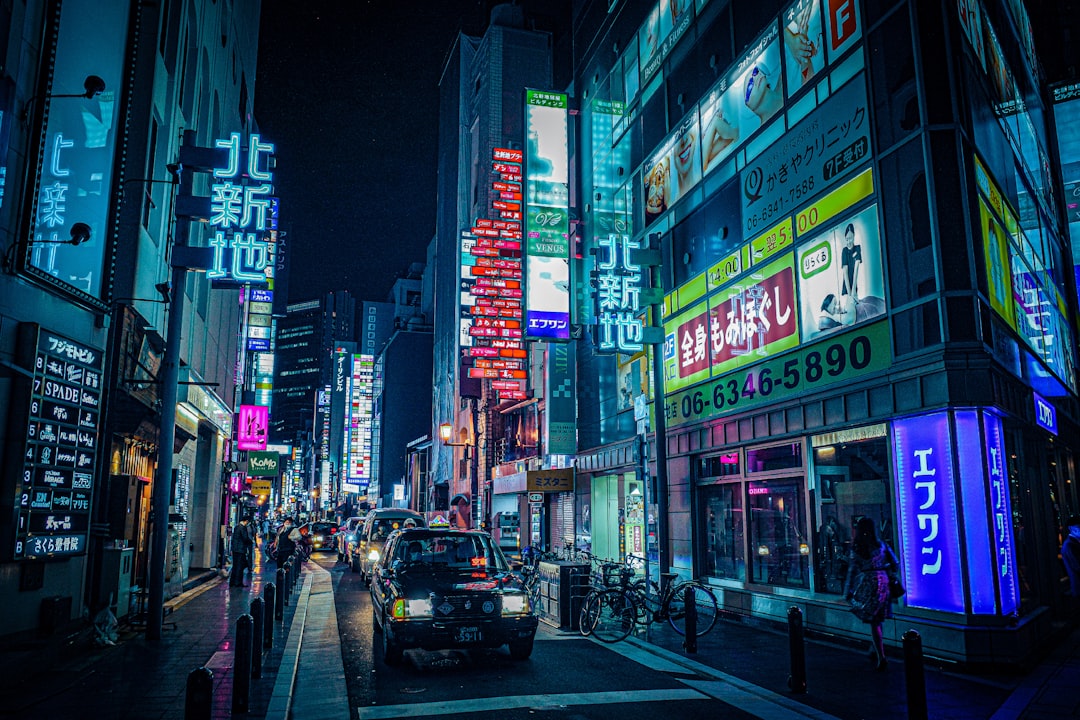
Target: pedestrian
<point>240,545</point>
<point>867,588</point>
<point>1070,555</point>
<point>286,542</point>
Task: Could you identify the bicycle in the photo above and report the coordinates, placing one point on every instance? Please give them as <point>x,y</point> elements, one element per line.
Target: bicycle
<point>610,613</point>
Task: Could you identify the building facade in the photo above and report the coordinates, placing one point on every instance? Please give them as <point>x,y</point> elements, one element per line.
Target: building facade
<point>869,310</point>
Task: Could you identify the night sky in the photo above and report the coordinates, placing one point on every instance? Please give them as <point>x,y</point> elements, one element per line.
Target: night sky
<point>348,91</point>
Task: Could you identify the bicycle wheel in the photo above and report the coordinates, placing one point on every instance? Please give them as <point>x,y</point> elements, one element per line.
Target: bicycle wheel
<point>704,601</point>
<point>610,615</point>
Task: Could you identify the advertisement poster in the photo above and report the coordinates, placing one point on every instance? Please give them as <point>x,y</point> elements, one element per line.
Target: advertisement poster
<point>996,252</point>
<point>841,281</point>
<point>755,318</point>
<point>673,169</point>
<point>804,54</point>
<point>251,427</point>
<point>660,32</point>
<point>686,348</point>
<point>845,26</point>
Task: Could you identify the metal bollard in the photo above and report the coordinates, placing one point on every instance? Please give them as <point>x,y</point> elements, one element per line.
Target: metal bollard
<point>914,676</point>
<point>286,585</point>
<point>268,615</point>
<point>241,689</point>
<point>690,608</point>
<point>797,647</point>
<point>279,601</point>
<point>199,698</point>
<point>256,637</point>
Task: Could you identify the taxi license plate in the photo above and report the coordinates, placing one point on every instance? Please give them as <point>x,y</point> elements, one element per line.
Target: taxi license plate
<point>467,634</point>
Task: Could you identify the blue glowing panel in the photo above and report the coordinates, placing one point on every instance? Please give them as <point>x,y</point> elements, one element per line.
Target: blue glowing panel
<point>1001,515</point>
<point>973,491</point>
<point>929,541</point>
<point>1045,414</point>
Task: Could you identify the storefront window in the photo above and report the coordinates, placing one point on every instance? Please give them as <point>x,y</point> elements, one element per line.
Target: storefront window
<point>725,539</point>
<point>849,482</point>
<point>779,545</point>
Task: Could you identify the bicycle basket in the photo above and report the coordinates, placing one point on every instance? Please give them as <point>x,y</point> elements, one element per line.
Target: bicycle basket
<point>610,573</point>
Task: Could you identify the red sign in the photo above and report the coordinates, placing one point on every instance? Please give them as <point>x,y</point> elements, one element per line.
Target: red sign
<point>510,214</point>
<point>503,186</point>
<point>506,154</point>
<point>512,206</point>
<point>506,168</point>
<point>507,385</point>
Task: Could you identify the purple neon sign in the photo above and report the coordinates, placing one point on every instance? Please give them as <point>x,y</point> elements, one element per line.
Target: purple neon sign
<point>1001,514</point>
<point>251,427</point>
<point>925,491</point>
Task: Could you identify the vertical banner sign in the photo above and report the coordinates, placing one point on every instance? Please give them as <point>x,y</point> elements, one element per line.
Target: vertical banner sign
<point>63,411</point>
<point>618,295</point>
<point>561,410</point>
<point>361,406</point>
<point>1001,515</point>
<point>974,491</point>
<point>77,149</point>
<point>925,492</point>
<point>251,427</point>
<point>240,211</point>
<point>547,217</point>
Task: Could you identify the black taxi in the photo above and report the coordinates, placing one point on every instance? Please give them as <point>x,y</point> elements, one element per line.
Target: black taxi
<point>437,588</point>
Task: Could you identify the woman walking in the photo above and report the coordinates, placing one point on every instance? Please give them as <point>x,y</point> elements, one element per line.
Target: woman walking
<point>867,586</point>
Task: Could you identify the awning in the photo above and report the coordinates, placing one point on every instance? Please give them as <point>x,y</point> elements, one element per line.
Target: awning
<point>459,498</point>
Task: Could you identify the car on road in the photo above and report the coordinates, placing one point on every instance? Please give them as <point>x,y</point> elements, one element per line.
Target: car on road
<point>437,589</point>
<point>347,536</point>
<point>323,535</point>
<point>377,527</point>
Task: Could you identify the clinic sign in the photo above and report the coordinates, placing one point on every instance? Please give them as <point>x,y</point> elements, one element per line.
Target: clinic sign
<point>240,207</point>
<point>927,523</point>
<point>262,464</point>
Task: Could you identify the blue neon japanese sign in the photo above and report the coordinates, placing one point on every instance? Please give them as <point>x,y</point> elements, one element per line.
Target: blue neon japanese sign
<point>618,295</point>
<point>240,205</point>
<point>926,496</point>
<point>1001,515</point>
<point>1045,414</point>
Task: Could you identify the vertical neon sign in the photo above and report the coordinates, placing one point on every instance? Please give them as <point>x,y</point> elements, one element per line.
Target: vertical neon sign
<point>252,426</point>
<point>240,202</point>
<point>929,541</point>
<point>1001,514</point>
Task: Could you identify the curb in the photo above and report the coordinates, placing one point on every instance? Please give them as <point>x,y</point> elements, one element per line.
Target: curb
<point>281,698</point>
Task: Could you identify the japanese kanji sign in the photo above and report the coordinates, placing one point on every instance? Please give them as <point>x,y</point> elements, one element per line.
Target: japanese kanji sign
<point>240,205</point>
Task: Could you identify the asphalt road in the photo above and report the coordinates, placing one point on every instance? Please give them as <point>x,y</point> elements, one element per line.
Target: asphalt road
<point>568,676</point>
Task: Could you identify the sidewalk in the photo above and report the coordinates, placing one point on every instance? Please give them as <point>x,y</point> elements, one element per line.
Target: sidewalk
<point>145,680</point>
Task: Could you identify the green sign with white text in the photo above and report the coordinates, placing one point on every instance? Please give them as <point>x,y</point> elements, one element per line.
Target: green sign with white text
<point>262,464</point>
<point>842,359</point>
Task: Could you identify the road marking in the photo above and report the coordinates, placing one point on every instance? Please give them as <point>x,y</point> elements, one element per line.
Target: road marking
<point>754,702</point>
<point>535,702</point>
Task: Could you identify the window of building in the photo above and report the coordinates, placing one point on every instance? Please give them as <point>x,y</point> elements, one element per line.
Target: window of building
<point>723,534</point>
<point>779,546</point>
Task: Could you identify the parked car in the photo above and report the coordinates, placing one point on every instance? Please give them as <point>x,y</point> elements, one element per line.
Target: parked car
<point>377,527</point>
<point>437,588</point>
<point>323,535</point>
<point>347,536</point>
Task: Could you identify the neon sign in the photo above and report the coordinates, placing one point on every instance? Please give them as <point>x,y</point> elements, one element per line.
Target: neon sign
<point>240,202</point>
<point>618,295</point>
<point>252,427</point>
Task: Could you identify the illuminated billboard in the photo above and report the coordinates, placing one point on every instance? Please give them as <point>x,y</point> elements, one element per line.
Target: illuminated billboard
<point>547,217</point>
<point>240,208</point>
<point>361,409</point>
<point>251,427</point>
<point>74,179</point>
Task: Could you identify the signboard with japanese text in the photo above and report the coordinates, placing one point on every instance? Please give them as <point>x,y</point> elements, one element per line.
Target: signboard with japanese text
<point>660,33</point>
<point>549,481</point>
<point>240,211</point>
<point>619,281</point>
<point>361,417</point>
<point>841,280</point>
<point>547,216</point>
<point>252,424</point>
<point>928,522</point>
<point>843,359</point>
<point>560,401</point>
<point>673,168</point>
<point>815,155</point>
<point>77,147</point>
<point>62,414</point>
<point>754,318</point>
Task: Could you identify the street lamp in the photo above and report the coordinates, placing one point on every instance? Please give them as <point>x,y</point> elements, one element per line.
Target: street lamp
<point>445,433</point>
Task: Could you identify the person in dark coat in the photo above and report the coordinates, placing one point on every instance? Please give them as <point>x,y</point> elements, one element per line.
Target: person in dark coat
<point>867,587</point>
<point>242,542</point>
<point>286,542</point>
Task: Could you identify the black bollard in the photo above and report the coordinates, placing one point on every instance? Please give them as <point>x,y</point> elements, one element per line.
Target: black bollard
<point>199,699</point>
<point>268,615</point>
<point>690,643</point>
<point>797,646</point>
<point>279,601</point>
<point>241,689</point>
<point>256,637</point>
<point>287,585</point>
<point>914,676</point>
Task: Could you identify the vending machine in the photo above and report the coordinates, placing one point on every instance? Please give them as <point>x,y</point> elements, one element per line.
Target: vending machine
<point>507,532</point>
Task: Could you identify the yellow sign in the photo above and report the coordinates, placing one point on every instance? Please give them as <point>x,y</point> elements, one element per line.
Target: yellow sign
<point>560,480</point>
<point>260,487</point>
<point>771,242</point>
<point>840,199</point>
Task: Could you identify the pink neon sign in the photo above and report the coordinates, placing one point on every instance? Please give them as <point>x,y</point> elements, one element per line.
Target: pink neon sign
<point>252,424</point>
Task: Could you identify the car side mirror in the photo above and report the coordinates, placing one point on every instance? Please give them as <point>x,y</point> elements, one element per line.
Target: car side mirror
<point>386,573</point>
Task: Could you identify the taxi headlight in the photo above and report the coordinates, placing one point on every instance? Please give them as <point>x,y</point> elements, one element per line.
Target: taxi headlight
<point>403,608</point>
<point>515,605</point>
<point>373,556</point>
